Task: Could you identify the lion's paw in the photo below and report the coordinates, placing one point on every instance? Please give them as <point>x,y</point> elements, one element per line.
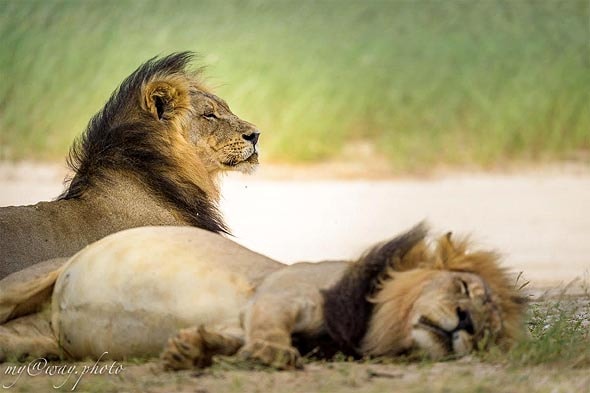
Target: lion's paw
<point>186,350</point>
<point>270,354</point>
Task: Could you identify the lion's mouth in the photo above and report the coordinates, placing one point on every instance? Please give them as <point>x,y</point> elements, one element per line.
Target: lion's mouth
<point>444,337</point>
<point>456,340</point>
<point>251,159</point>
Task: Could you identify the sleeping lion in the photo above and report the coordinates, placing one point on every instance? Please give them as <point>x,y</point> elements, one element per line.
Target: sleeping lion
<point>195,294</point>
<point>150,156</point>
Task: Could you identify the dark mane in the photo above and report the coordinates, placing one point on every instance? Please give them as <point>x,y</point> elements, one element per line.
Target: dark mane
<point>122,137</point>
<point>346,309</point>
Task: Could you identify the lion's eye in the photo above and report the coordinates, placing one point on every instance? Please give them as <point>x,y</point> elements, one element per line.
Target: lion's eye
<point>464,288</point>
<point>210,115</point>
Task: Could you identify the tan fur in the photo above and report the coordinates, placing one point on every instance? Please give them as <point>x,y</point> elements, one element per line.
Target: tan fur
<point>119,298</point>
<point>151,157</point>
<point>31,289</point>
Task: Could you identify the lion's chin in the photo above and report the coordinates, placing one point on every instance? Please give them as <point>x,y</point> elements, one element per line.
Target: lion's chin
<point>247,166</point>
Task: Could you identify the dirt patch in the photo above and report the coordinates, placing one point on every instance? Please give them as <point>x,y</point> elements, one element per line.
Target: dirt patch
<point>466,375</point>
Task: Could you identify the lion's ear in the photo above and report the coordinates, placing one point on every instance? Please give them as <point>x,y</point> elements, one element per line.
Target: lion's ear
<point>161,98</point>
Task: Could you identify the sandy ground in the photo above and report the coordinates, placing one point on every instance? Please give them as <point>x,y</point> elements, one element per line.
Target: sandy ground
<point>467,375</point>
<point>538,219</point>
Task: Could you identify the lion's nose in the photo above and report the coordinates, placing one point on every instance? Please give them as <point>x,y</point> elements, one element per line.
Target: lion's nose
<point>465,322</point>
<point>252,137</point>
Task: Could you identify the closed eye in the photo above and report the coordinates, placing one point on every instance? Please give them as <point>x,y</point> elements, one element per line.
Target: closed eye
<point>210,116</point>
<point>464,288</point>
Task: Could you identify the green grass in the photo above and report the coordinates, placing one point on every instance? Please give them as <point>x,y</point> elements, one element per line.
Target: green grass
<point>427,82</point>
<point>560,335</point>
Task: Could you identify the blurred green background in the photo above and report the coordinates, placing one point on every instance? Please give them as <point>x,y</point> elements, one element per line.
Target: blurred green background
<point>479,82</point>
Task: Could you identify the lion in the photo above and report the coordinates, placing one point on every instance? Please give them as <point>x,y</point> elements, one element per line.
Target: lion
<point>150,156</point>
<point>195,294</point>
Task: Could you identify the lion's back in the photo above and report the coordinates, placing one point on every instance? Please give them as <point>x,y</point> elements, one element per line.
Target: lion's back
<point>30,234</point>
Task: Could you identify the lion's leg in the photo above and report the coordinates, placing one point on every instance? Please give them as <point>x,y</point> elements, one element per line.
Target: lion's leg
<point>29,336</point>
<point>269,323</point>
<point>195,347</point>
<point>26,291</point>
<point>283,306</point>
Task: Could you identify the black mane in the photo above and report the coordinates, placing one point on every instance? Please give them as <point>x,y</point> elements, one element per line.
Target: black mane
<point>122,138</point>
<point>346,309</point>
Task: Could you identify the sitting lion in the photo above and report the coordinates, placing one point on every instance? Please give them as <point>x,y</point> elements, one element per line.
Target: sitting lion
<point>128,293</point>
<point>149,157</point>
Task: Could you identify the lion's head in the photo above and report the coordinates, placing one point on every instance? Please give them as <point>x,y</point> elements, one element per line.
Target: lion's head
<point>181,102</point>
<point>442,300</point>
<point>225,141</point>
<point>164,129</point>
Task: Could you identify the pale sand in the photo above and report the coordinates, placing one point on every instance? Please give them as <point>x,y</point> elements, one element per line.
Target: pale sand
<point>539,220</point>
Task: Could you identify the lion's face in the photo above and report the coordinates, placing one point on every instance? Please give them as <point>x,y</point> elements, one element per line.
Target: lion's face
<point>453,312</point>
<point>224,141</point>
<point>440,313</point>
